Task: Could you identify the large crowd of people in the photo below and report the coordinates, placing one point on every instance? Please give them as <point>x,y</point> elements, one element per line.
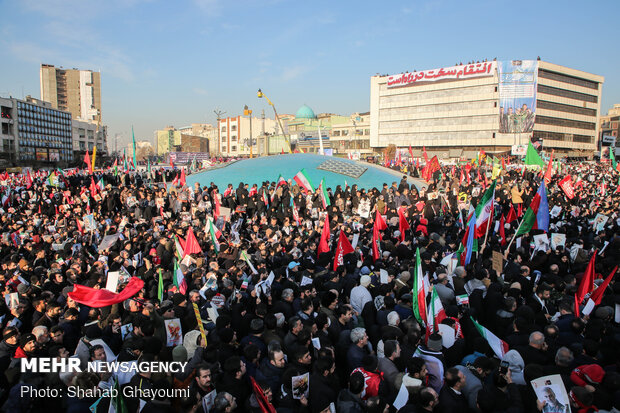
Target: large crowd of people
<point>286,329</point>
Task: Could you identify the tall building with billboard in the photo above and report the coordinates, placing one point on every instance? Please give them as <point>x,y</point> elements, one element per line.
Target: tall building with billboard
<point>496,106</point>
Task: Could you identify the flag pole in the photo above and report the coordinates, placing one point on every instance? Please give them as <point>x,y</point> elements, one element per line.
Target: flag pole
<point>515,236</point>
<point>488,226</point>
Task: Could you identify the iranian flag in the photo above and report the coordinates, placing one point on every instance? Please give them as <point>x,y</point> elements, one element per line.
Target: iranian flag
<point>179,244</point>
<point>419,292</point>
<point>324,195</point>
<point>436,314</point>
<point>247,260</point>
<point>537,215</point>
<point>217,203</point>
<point>296,213</point>
<point>499,346</point>
<point>344,247</point>
<point>484,211</point>
<point>265,197</point>
<point>281,181</point>
<point>213,234</point>
<point>117,402</point>
<point>597,295</point>
<point>303,180</point>
<point>218,233</point>
<point>28,180</point>
<point>179,278</point>
<point>253,191</point>
<point>100,184</point>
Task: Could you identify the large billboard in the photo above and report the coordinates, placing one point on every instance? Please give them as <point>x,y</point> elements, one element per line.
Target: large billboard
<point>517,95</point>
<point>453,72</point>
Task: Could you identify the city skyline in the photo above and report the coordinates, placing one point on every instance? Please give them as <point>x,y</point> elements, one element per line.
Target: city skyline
<point>161,66</point>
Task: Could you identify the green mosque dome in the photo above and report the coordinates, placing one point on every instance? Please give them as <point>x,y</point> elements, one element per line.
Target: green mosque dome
<point>305,112</point>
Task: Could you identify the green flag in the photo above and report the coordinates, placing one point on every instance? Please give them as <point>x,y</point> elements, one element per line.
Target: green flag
<point>612,156</point>
<point>532,157</point>
<point>160,288</point>
<point>117,403</point>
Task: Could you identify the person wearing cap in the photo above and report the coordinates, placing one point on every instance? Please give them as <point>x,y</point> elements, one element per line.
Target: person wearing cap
<point>257,327</point>
<point>8,347</point>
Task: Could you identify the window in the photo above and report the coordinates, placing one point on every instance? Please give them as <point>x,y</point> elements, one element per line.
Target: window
<point>542,104</point>
<point>233,148</point>
<point>223,149</point>
<point>233,128</point>
<point>336,133</point>
<point>567,79</point>
<point>6,129</point>
<point>567,93</point>
<point>223,128</point>
<point>545,120</point>
<point>233,138</point>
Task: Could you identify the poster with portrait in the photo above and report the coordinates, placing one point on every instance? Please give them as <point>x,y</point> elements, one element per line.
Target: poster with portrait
<point>599,222</point>
<point>517,95</point>
<point>550,391</point>
<point>174,335</point>
<point>89,222</point>
<point>300,385</point>
<point>557,240</point>
<point>126,329</point>
<point>208,401</point>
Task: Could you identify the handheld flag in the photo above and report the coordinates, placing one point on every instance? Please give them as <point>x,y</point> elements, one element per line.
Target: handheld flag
<point>303,180</point>
<point>344,247</point>
<point>499,346</point>
<point>537,215</point>
<point>323,246</point>
<point>419,291</point>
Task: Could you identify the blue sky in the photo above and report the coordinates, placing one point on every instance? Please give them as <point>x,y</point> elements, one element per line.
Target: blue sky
<point>173,63</point>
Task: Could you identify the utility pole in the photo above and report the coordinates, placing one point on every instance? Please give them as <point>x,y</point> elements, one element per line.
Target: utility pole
<point>248,112</point>
<point>263,149</point>
<point>219,114</point>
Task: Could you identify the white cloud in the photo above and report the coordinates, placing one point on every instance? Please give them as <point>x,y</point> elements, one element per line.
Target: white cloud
<point>293,72</point>
<point>209,7</point>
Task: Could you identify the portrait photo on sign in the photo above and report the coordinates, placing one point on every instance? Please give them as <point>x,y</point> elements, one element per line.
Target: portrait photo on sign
<point>550,391</point>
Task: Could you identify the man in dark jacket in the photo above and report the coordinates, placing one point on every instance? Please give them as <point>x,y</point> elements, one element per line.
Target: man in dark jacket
<point>451,398</point>
<point>234,380</point>
<point>323,384</point>
<point>272,368</point>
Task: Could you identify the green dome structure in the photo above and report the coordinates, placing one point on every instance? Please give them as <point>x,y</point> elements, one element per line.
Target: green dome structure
<point>305,112</point>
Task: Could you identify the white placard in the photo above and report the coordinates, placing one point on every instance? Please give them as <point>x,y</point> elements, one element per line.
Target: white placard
<point>112,282</point>
<point>448,335</point>
<point>305,281</point>
<point>402,397</point>
<point>557,240</point>
<point>316,343</point>
<point>384,276</point>
<point>356,238</point>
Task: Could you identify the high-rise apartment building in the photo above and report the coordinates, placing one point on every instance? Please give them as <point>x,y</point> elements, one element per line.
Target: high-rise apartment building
<point>72,90</point>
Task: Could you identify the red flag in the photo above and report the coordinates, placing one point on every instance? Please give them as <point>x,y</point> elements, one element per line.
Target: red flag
<point>28,180</point>
<point>380,222</point>
<point>520,210</point>
<point>587,282</point>
<point>323,246</point>
<point>375,243</point>
<point>182,180</point>
<point>282,153</point>
<point>263,403</point>
<point>453,171</point>
<point>549,169</point>
<point>461,178</point>
<point>597,295</point>
<point>503,164</point>
<point>502,230</point>
<point>98,298</point>
<point>576,309</point>
<point>344,247</point>
<point>191,244</point>
<point>479,179</point>
<point>425,155</point>
<point>567,186</point>
<point>88,163</point>
<point>430,168</point>
<point>171,163</point>
<point>79,225</point>
<point>403,225</point>
<point>411,153</point>
<point>93,187</point>
<point>175,181</point>
<point>512,215</point>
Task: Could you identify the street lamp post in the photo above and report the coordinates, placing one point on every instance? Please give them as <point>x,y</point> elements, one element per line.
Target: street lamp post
<point>248,112</point>
<point>260,94</point>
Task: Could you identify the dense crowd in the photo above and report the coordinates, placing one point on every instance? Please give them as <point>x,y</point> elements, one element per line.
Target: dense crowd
<point>273,309</point>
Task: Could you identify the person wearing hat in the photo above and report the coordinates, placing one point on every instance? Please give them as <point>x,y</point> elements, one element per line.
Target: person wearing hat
<point>257,327</point>
<point>27,347</point>
<point>8,347</point>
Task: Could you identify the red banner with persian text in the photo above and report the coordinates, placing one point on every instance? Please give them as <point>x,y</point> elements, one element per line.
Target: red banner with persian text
<point>567,186</point>
<point>453,72</point>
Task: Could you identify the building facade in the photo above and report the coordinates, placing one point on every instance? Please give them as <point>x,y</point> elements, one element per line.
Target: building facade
<point>203,130</point>
<point>34,134</point>
<point>495,106</point>
<point>234,135</point>
<point>609,129</point>
<point>352,137</point>
<point>172,140</point>
<point>72,90</point>
<point>87,135</point>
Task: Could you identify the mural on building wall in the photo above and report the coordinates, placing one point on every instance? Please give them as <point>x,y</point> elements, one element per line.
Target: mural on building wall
<point>517,95</point>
